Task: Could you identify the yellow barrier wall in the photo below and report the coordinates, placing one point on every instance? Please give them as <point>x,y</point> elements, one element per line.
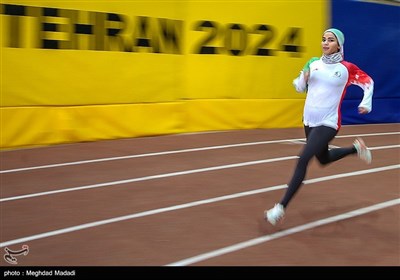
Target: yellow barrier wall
<point>90,70</point>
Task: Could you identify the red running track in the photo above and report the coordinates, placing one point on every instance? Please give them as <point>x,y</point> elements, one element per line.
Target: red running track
<point>198,200</point>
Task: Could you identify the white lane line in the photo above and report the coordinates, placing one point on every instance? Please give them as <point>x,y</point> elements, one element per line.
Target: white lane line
<point>160,176</point>
<point>151,177</point>
<point>283,233</point>
<point>367,134</point>
<point>187,205</point>
<point>179,151</point>
<point>384,147</point>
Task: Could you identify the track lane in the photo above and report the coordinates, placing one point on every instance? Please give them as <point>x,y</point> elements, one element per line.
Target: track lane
<point>128,242</point>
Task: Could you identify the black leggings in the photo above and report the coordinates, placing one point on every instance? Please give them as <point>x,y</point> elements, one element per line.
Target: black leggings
<point>317,145</point>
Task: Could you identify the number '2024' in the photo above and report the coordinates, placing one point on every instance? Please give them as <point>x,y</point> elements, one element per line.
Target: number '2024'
<point>238,39</point>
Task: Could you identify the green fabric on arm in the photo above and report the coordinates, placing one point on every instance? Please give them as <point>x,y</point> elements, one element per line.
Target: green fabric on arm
<point>306,67</point>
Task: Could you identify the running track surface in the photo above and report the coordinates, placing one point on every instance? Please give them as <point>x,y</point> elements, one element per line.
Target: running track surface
<point>198,200</point>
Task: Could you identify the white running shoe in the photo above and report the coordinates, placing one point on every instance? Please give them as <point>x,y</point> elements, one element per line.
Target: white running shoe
<point>275,214</point>
<point>362,150</point>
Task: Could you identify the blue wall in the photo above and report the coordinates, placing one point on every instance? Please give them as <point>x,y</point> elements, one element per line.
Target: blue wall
<point>372,41</point>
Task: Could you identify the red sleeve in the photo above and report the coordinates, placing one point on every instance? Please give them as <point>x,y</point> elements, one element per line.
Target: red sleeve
<point>364,81</point>
<point>357,76</point>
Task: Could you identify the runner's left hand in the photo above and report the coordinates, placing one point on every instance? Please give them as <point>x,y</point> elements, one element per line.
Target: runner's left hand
<point>362,110</point>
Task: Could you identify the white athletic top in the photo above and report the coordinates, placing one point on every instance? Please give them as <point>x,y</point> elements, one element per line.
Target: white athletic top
<point>326,89</point>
